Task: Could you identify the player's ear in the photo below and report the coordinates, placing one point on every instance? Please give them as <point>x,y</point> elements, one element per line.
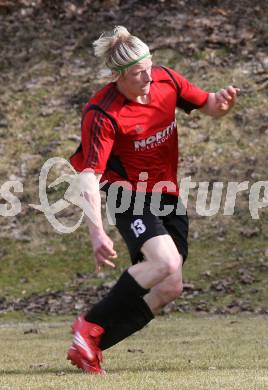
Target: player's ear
<point>115,75</point>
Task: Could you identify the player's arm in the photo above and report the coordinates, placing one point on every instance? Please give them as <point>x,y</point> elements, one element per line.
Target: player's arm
<point>90,158</point>
<point>191,97</point>
<point>102,245</point>
<point>221,102</point>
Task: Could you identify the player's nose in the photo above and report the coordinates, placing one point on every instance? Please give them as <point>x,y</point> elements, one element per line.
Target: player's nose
<point>147,77</point>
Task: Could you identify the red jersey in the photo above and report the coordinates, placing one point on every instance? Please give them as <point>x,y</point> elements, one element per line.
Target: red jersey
<point>122,138</point>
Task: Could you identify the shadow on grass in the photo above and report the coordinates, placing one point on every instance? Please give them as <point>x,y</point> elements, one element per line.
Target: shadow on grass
<point>180,369</point>
<point>66,371</point>
<point>59,372</point>
<point>39,371</point>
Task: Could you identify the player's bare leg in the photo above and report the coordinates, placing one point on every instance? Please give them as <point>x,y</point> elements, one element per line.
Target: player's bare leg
<point>162,259</point>
<point>165,292</point>
<point>163,264</point>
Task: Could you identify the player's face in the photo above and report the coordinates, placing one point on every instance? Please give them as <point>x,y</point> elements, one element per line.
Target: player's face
<point>137,79</point>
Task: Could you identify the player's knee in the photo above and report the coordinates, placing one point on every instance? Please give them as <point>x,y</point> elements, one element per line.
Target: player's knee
<point>168,266</point>
<point>172,266</point>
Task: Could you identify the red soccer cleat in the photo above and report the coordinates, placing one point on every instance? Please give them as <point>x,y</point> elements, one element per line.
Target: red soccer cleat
<point>85,353</point>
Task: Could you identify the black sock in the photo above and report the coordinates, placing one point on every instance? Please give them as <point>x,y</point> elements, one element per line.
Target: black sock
<point>125,293</point>
<point>133,319</point>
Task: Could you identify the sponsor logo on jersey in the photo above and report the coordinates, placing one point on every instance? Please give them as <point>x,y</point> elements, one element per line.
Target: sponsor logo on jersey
<point>156,139</point>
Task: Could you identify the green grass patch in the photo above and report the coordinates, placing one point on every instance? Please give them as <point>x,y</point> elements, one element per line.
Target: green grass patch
<point>53,266</point>
<point>166,56</point>
<point>177,352</point>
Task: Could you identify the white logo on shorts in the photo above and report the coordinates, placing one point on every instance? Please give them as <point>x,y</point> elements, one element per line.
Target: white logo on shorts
<point>138,227</point>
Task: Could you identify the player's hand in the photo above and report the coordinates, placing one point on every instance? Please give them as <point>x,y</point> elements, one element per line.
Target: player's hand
<point>226,98</point>
<point>103,250</point>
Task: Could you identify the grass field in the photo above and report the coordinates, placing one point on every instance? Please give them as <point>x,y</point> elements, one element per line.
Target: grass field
<point>207,353</point>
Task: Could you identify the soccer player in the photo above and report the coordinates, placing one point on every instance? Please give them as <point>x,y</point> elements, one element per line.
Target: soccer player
<point>129,134</point>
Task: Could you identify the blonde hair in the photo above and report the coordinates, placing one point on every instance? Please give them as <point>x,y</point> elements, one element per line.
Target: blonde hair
<point>118,49</point>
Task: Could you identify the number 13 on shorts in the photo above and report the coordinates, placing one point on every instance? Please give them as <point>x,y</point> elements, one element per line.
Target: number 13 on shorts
<point>138,227</point>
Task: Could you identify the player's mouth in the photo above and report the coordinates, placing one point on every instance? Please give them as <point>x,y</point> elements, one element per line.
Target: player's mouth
<point>146,86</point>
